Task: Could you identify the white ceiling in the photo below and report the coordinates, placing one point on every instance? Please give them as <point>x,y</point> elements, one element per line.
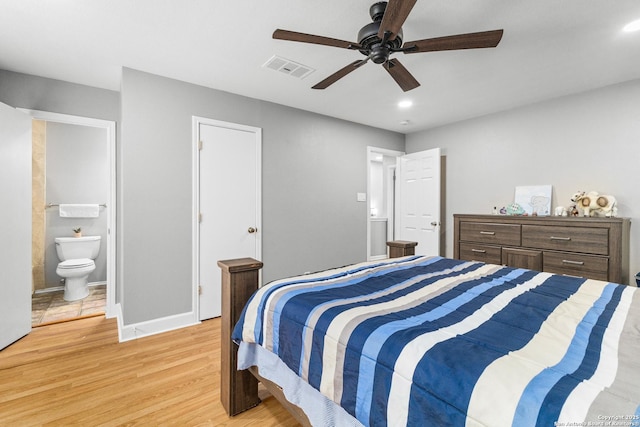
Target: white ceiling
<point>550,48</point>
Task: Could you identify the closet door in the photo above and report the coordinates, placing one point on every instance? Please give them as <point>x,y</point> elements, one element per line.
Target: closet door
<point>229,201</point>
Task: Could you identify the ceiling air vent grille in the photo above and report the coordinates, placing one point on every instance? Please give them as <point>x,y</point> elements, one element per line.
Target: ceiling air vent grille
<point>288,67</point>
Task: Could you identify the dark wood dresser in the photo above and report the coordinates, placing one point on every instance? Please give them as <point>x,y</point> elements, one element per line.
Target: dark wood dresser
<point>597,248</point>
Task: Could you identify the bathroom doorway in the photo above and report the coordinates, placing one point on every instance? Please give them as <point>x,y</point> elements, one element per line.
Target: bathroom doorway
<point>381,165</point>
<point>73,163</point>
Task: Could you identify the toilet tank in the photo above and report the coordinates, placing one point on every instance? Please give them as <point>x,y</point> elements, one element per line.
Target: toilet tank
<point>77,247</point>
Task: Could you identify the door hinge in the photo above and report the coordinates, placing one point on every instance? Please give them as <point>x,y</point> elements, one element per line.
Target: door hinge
<point>199,289</point>
<point>199,145</point>
<point>199,216</point>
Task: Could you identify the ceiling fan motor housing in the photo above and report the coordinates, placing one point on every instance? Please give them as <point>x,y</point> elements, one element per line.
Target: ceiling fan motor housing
<point>372,45</point>
<point>376,11</point>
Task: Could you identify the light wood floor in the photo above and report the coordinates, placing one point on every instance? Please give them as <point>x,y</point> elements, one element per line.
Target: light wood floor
<point>76,373</point>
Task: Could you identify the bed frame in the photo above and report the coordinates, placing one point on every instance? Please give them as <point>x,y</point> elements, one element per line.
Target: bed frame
<point>239,389</point>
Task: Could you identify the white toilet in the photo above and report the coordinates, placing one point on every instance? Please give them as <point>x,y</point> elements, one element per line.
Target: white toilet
<point>76,255</point>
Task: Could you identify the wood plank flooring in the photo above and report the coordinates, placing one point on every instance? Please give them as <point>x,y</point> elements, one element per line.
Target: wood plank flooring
<point>76,373</point>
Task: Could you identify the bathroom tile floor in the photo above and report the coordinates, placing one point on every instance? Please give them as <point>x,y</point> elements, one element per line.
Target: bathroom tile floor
<point>50,307</point>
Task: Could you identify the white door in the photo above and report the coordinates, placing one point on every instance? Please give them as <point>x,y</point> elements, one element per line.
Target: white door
<point>229,204</point>
<point>15,220</point>
<point>418,200</point>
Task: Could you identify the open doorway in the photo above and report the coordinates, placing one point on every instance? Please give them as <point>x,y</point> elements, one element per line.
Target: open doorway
<point>73,163</point>
<point>381,165</point>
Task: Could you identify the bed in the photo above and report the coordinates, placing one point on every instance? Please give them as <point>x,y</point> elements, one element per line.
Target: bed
<point>433,341</point>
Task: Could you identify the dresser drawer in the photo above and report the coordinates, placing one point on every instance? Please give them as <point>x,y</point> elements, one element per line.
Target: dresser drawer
<point>593,267</point>
<point>497,234</point>
<point>589,240</point>
<point>484,253</point>
<point>522,258</point>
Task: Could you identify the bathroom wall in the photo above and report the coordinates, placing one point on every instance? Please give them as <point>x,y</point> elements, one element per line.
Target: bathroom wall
<point>379,204</point>
<point>77,171</point>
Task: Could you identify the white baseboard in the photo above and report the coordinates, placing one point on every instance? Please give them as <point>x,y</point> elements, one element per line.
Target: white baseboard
<point>61,288</point>
<point>117,313</point>
<point>152,327</point>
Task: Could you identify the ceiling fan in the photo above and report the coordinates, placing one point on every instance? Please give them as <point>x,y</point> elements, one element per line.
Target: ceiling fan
<point>383,37</point>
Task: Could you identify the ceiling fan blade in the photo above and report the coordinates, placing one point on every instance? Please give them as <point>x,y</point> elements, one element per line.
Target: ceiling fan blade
<point>460,41</point>
<point>395,14</point>
<point>310,38</point>
<point>340,74</point>
<point>401,75</point>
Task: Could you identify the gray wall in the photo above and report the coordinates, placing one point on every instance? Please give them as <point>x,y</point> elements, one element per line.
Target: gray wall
<point>589,141</point>
<point>77,171</point>
<point>313,166</point>
<point>39,93</point>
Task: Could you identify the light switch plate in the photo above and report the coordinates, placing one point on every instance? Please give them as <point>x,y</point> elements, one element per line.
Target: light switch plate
<point>361,197</point>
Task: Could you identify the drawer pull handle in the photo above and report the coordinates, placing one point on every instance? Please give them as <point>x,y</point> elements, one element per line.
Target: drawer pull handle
<point>568,261</point>
<point>491,233</point>
<point>482,251</point>
<point>560,238</point>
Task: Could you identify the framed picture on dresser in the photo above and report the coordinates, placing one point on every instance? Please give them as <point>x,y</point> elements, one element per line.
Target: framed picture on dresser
<point>534,199</point>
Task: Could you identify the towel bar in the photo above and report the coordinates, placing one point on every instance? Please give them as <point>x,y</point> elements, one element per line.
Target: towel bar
<point>50,205</point>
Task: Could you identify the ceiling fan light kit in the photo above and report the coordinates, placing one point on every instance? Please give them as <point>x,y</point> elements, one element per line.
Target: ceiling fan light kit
<point>378,40</point>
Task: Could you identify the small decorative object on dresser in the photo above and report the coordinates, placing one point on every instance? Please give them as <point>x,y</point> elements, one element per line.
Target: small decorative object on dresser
<point>593,203</point>
<point>515,209</point>
<point>573,210</point>
<point>596,248</point>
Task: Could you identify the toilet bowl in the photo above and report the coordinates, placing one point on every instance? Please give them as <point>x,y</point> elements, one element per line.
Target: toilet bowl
<point>76,255</point>
<point>76,273</point>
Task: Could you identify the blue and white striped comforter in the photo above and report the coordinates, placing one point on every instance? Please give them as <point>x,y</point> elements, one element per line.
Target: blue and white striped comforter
<point>435,341</point>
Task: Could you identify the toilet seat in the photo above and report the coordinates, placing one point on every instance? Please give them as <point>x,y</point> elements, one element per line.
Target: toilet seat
<point>76,263</point>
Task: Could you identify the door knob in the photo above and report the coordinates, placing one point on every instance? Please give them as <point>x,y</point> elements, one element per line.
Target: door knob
<point>435,223</point>
<point>252,230</point>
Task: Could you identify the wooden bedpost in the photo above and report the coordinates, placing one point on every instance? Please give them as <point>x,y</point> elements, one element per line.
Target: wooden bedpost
<point>238,389</point>
<point>399,248</point>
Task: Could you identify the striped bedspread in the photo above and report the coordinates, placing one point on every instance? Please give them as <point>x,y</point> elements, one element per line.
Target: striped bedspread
<point>431,341</point>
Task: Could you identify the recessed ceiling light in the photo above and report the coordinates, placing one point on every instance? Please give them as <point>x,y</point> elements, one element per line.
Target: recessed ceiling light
<point>405,122</point>
<point>632,26</point>
<point>405,104</point>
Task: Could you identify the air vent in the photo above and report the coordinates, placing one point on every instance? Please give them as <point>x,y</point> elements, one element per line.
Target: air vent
<point>288,67</point>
